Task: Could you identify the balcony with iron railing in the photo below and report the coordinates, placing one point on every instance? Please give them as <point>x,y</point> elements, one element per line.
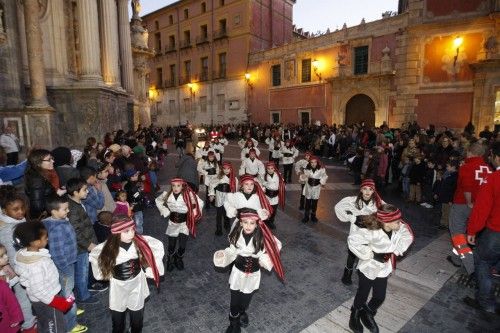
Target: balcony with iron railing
<point>185,79</point>
<point>204,75</point>
<point>202,40</point>
<point>220,34</point>
<point>170,48</point>
<point>185,44</point>
<point>170,83</point>
<point>220,74</point>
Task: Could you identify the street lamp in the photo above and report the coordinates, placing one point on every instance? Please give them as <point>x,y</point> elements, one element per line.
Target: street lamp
<point>316,64</point>
<point>457,42</point>
<point>248,76</point>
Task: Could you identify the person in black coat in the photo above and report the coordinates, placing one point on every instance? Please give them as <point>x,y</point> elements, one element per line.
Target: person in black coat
<point>446,189</point>
<point>40,181</point>
<point>417,174</point>
<point>187,170</point>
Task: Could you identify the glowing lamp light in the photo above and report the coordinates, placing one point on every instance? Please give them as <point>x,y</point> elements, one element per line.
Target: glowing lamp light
<point>248,76</point>
<point>458,41</point>
<point>315,63</point>
<point>152,93</point>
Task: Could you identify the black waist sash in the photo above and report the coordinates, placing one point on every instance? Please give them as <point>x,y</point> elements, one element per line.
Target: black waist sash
<point>178,217</point>
<point>211,171</point>
<point>127,270</point>
<point>247,264</point>
<point>271,193</point>
<point>223,187</point>
<point>313,181</point>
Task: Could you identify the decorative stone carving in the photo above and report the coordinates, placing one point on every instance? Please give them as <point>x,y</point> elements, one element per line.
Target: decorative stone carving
<point>491,47</point>
<point>136,9</point>
<point>385,62</point>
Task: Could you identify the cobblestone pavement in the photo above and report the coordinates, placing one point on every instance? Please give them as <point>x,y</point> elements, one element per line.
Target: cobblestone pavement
<point>197,299</point>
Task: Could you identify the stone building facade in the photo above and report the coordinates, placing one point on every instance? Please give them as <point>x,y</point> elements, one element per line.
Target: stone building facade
<point>66,69</point>
<point>201,56</point>
<point>436,61</point>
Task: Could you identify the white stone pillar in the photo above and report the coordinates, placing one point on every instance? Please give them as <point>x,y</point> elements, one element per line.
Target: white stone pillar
<point>35,54</point>
<point>90,51</point>
<point>125,47</point>
<point>109,42</point>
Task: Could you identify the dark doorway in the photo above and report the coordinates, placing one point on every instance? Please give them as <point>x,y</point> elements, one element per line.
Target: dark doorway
<point>305,118</point>
<point>360,108</point>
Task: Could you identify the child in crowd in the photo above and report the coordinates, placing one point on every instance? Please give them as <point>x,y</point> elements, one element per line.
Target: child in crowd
<point>428,184</point>
<point>183,209</point>
<point>135,198</point>
<point>252,246</point>
<point>208,169</point>
<point>122,205</point>
<point>126,259</point>
<point>102,179</point>
<point>350,209</point>
<point>249,145</point>
<point>85,238</point>
<point>103,226</point>
<point>300,166</point>
<point>95,198</point>
<point>446,191</point>
<point>417,174</point>
<point>377,242</point>
<point>39,276</point>
<point>11,315</point>
<point>315,176</point>
<point>63,251</point>
<point>405,167</point>
<point>7,274</point>
<point>13,213</point>
<point>288,155</point>
<point>252,165</point>
<point>274,186</point>
<point>226,182</point>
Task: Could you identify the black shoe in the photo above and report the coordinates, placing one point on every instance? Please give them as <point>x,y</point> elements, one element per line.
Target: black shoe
<point>179,264</point>
<point>244,319</point>
<point>305,219</point>
<point>234,325</point>
<point>218,232</point>
<point>472,302</point>
<point>452,262</point>
<point>442,227</point>
<point>366,315</point>
<point>301,207</point>
<point>170,263</point>
<point>98,287</point>
<point>314,219</point>
<point>347,277</point>
<point>355,322</point>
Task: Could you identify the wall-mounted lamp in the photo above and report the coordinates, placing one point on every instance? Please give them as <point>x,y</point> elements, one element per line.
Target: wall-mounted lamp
<point>248,76</point>
<point>315,64</point>
<point>191,87</point>
<point>152,94</point>
<point>457,42</point>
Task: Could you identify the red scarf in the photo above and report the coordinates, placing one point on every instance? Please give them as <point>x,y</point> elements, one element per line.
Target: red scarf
<point>193,211</point>
<point>231,176</point>
<point>142,246</point>
<point>52,178</point>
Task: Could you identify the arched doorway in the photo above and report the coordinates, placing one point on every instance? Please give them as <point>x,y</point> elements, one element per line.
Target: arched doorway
<point>358,109</point>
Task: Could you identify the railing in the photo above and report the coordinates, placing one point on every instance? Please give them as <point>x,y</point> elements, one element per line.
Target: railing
<point>185,44</point>
<point>170,83</point>
<point>219,34</point>
<point>170,48</point>
<point>185,79</point>
<point>201,40</point>
<point>220,74</point>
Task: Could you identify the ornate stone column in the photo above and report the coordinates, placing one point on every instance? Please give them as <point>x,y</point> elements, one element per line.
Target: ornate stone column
<point>35,54</point>
<point>109,42</point>
<point>89,40</point>
<point>125,47</point>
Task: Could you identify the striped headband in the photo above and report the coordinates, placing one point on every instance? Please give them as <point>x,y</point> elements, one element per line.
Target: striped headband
<point>252,150</point>
<point>388,217</point>
<point>249,216</point>
<point>247,178</point>
<point>177,180</point>
<point>211,153</point>
<point>121,226</point>
<point>368,183</point>
<point>271,164</point>
<point>226,164</point>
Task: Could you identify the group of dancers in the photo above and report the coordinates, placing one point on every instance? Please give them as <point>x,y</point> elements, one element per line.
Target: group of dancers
<point>377,233</point>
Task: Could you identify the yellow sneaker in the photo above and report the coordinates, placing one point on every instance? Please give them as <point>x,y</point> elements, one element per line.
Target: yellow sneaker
<point>79,311</point>
<point>79,329</point>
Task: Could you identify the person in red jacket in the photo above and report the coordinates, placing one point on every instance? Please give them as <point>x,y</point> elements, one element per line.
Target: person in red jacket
<point>485,221</point>
<point>470,175</point>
